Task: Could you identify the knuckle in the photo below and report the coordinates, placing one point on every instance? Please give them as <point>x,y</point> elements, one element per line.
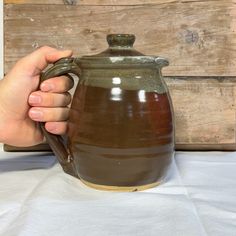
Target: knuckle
<point>50,115</point>
<point>70,81</point>
<point>45,48</point>
<point>67,82</point>
<point>65,113</point>
<point>50,100</point>
<point>57,114</point>
<point>68,98</point>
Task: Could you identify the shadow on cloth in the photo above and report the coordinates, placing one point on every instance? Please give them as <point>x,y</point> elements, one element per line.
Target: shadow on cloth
<point>27,162</point>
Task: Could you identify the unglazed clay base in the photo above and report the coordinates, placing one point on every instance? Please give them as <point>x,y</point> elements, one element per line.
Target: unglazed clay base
<point>120,189</point>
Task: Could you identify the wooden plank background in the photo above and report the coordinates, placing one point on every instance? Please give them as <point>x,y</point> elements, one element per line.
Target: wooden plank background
<point>97,2</point>
<point>198,37</point>
<point>204,112</point>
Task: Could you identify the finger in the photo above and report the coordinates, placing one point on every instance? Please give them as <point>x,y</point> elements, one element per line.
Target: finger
<point>43,99</point>
<point>49,114</point>
<point>57,84</point>
<point>56,127</point>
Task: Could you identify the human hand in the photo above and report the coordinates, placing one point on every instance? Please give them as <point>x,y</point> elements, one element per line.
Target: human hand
<point>21,104</point>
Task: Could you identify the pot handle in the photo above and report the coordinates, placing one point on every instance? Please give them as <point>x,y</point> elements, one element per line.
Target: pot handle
<point>61,67</point>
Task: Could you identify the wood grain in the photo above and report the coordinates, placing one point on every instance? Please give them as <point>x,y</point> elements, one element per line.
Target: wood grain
<point>96,2</point>
<point>198,37</point>
<point>205,111</point>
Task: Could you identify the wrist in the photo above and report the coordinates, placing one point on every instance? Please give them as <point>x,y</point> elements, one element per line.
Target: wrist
<point>4,128</point>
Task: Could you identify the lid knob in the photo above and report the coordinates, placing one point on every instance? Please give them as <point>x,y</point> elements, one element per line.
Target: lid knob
<point>121,40</point>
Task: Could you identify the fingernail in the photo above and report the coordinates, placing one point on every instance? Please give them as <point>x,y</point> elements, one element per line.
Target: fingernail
<point>36,114</point>
<point>46,87</point>
<point>35,99</point>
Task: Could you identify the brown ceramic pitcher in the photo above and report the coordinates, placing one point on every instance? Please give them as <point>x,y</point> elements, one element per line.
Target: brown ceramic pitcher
<point>120,134</point>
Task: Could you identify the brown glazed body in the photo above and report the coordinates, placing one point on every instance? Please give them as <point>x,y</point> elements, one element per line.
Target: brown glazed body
<point>121,134</point>
<point>120,142</point>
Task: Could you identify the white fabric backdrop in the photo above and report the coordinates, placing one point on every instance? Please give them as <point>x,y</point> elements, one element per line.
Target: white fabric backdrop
<point>38,199</point>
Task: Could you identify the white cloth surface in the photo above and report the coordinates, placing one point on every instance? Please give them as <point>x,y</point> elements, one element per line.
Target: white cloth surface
<point>38,199</point>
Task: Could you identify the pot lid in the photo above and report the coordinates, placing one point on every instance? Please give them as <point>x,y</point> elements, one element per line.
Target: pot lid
<point>120,52</point>
<point>119,45</point>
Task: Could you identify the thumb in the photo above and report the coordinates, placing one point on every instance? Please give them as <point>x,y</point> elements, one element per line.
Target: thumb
<point>38,60</point>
